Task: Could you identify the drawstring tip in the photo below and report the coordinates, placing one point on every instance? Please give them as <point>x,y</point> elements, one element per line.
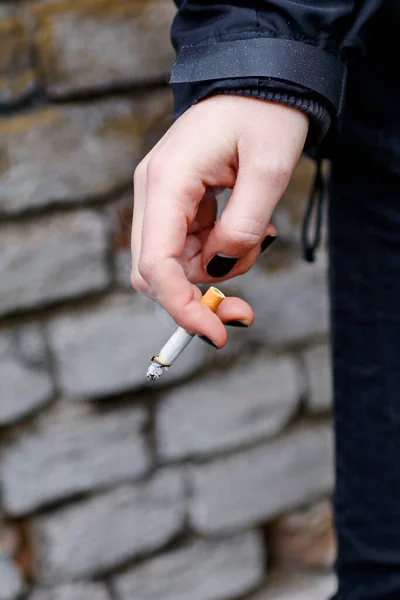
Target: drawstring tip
<point>309,255</point>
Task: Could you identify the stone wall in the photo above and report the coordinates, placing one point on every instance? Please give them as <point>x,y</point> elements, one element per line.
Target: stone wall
<point>209,484</point>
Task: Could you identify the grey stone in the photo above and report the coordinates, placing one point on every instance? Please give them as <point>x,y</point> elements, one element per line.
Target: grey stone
<point>203,570</point>
<point>123,264</point>
<point>96,535</point>
<point>290,306</point>
<point>252,401</point>
<point>73,591</point>
<point>107,350</point>
<point>292,585</point>
<point>319,375</point>
<point>17,73</point>
<point>64,456</point>
<point>95,44</point>
<point>52,258</point>
<point>255,485</point>
<point>23,388</point>
<point>31,345</point>
<point>11,584</point>
<point>75,153</point>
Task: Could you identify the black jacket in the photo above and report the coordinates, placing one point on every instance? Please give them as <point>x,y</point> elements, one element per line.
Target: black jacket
<point>337,60</point>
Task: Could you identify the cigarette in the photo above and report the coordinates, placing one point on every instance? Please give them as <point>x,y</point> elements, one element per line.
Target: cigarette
<point>180,339</point>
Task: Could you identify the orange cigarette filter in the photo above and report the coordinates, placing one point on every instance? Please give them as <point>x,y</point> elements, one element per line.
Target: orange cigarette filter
<point>212,298</point>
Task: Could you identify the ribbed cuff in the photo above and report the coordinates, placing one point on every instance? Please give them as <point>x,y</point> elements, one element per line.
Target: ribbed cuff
<point>271,90</point>
<point>320,119</point>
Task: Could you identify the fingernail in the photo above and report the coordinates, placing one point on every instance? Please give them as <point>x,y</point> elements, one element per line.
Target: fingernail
<point>208,341</point>
<point>236,324</point>
<point>219,266</point>
<point>267,242</point>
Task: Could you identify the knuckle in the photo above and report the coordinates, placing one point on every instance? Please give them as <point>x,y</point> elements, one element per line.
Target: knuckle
<point>157,165</point>
<point>146,266</point>
<point>244,239</point>
<point>139,174</point>
<point>137,282</point>
<point>271,172</point>
<point>278,174</point>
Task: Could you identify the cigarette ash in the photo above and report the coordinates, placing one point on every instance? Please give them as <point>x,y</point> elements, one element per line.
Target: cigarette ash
<point>155,371</point>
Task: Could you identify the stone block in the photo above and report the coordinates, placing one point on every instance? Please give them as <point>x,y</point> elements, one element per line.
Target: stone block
<point>304,538</point>
<point>224,410</point>
<point>24,388</point>
<point>62,155</point>
<point>292,585</point>
<point>64,456</point>
<point>73,591</point>
<point>203,570</point>
<point>48,259</point>
<point>98,534</point>
<point>317,361</point>
<point>86,45</point>
<point>106,350</point>
<point>291,306</point>
<point>11,584</point>
<point>255,485</point>
<point>17,73</point>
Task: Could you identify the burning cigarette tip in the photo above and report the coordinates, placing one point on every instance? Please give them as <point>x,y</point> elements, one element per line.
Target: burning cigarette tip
<point>155,371</point>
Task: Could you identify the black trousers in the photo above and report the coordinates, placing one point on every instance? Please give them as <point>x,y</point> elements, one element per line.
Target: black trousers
<point>364,232</point>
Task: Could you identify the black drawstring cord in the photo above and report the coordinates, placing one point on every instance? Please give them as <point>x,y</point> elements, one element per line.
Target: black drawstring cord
<point>315,204</point>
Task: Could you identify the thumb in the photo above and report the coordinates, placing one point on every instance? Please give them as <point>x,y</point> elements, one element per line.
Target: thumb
<point>238,235</point>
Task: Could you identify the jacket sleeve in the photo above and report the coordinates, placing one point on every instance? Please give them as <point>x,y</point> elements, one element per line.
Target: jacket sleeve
<point>289,51</point>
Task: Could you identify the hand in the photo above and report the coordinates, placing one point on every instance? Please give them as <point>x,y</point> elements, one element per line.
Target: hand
<point>249,145</point>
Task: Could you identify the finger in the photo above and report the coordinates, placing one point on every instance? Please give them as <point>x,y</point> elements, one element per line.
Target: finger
<point>194,267</point>
<point>235,310</point>
<point>140,189</point>
<point>163,243</point>
<point>171,206</point>
<point>206,213</point>
<point>194,245</point>
<point>243,223</point>
<point>181,300</point>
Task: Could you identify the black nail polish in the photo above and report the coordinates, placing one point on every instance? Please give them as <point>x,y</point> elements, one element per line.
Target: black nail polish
<point>236,324</point>
<point>208,341</point>
<point>267,242</point>
<point>219,266</point>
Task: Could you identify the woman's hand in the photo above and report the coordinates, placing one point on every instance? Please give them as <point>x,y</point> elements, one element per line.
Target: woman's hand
<point>249,145</point>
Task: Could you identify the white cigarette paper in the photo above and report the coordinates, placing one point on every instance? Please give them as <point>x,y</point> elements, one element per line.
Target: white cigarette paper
<point>181,338</point>
<point>174,347</point>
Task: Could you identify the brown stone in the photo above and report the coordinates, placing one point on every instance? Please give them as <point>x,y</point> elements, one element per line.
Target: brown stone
<point>304,538</point>
<point>75,153</point>
<point>297,585</point>
<point>10,540</point>
<point>17,75</point>
<point>97,44</point>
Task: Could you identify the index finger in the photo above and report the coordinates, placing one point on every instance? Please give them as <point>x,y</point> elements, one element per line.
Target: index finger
<point>182,301</point>
<point>170,208</point>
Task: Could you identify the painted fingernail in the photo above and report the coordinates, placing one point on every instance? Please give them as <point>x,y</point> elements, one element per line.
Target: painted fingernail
<point>208,341</point>
<point>236,324</point>
<point>267,242</point>
<point>219,266</point>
